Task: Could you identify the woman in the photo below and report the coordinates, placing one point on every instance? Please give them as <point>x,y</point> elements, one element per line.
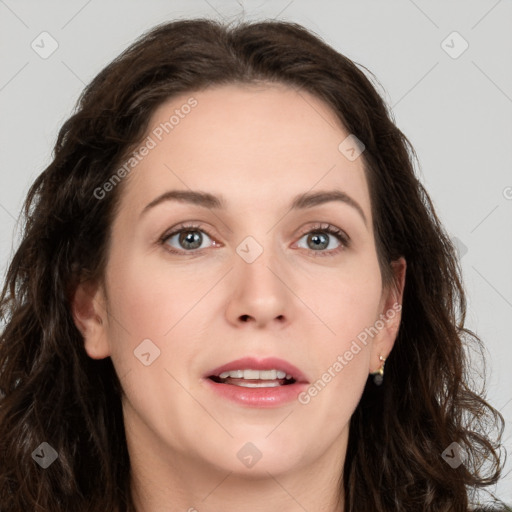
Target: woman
<point>233,293</point>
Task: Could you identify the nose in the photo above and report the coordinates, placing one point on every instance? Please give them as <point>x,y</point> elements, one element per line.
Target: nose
<point>261,295</point>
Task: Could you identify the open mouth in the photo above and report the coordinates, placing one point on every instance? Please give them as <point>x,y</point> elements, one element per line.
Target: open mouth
<point>254,378</point>
<point>255,382</point>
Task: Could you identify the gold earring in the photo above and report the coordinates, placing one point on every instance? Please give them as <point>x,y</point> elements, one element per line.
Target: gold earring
<point>378,376</point>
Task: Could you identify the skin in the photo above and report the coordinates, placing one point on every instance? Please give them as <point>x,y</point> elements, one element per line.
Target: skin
<point>258,146</point>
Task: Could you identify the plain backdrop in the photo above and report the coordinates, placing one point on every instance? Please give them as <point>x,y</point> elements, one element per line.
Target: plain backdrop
<point>445,69</point>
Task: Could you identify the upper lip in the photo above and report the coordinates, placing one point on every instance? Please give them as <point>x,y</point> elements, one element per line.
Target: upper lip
<point>252,363</point>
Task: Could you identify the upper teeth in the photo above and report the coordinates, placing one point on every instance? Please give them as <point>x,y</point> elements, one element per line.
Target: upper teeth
<point>255,374</point>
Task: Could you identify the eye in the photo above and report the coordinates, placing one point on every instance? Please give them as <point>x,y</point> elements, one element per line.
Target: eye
<point>320,237</point>
<point>189,237</point>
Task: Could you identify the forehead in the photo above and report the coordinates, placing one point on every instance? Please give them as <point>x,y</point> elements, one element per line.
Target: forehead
<point>248,143</point>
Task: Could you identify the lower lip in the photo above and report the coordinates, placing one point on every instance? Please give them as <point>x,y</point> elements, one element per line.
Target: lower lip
<point>258,397</point>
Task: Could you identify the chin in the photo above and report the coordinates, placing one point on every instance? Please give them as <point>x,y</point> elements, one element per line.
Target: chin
<point>257,456</point>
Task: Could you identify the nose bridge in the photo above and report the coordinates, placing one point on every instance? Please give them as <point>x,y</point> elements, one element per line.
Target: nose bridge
<point>256,258</point>
<point>260,292</point>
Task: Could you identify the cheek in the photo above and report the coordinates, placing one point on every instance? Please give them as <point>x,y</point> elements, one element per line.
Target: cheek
<point>342,353</point>
<point>148,300</point>
<point>148,312</point>
<point>151,337</point>
<point>339,354</point>
<point>339,362</point>
<point>346,301</point>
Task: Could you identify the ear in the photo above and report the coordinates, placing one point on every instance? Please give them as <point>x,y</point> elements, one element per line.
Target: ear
<point>89,312</point>
<point>390,315</point>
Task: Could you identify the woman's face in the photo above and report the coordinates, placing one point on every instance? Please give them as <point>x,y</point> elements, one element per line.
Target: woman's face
<point>254,278</point>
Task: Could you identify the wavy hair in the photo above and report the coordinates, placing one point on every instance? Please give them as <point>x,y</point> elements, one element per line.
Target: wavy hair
<point>51,391</point>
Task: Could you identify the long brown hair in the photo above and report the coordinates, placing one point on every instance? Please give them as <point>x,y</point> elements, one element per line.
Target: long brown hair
<point>51,391</point>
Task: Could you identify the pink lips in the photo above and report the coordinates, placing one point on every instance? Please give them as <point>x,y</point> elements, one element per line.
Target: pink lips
<point>261,397</point>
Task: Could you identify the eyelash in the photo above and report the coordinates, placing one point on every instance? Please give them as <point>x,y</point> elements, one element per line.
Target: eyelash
<point>320,228</point>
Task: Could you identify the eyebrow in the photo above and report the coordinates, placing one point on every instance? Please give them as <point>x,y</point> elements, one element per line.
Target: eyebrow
<point>300,202</point>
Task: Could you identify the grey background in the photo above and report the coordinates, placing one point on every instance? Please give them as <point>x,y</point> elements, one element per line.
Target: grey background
<point>455,111</point>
